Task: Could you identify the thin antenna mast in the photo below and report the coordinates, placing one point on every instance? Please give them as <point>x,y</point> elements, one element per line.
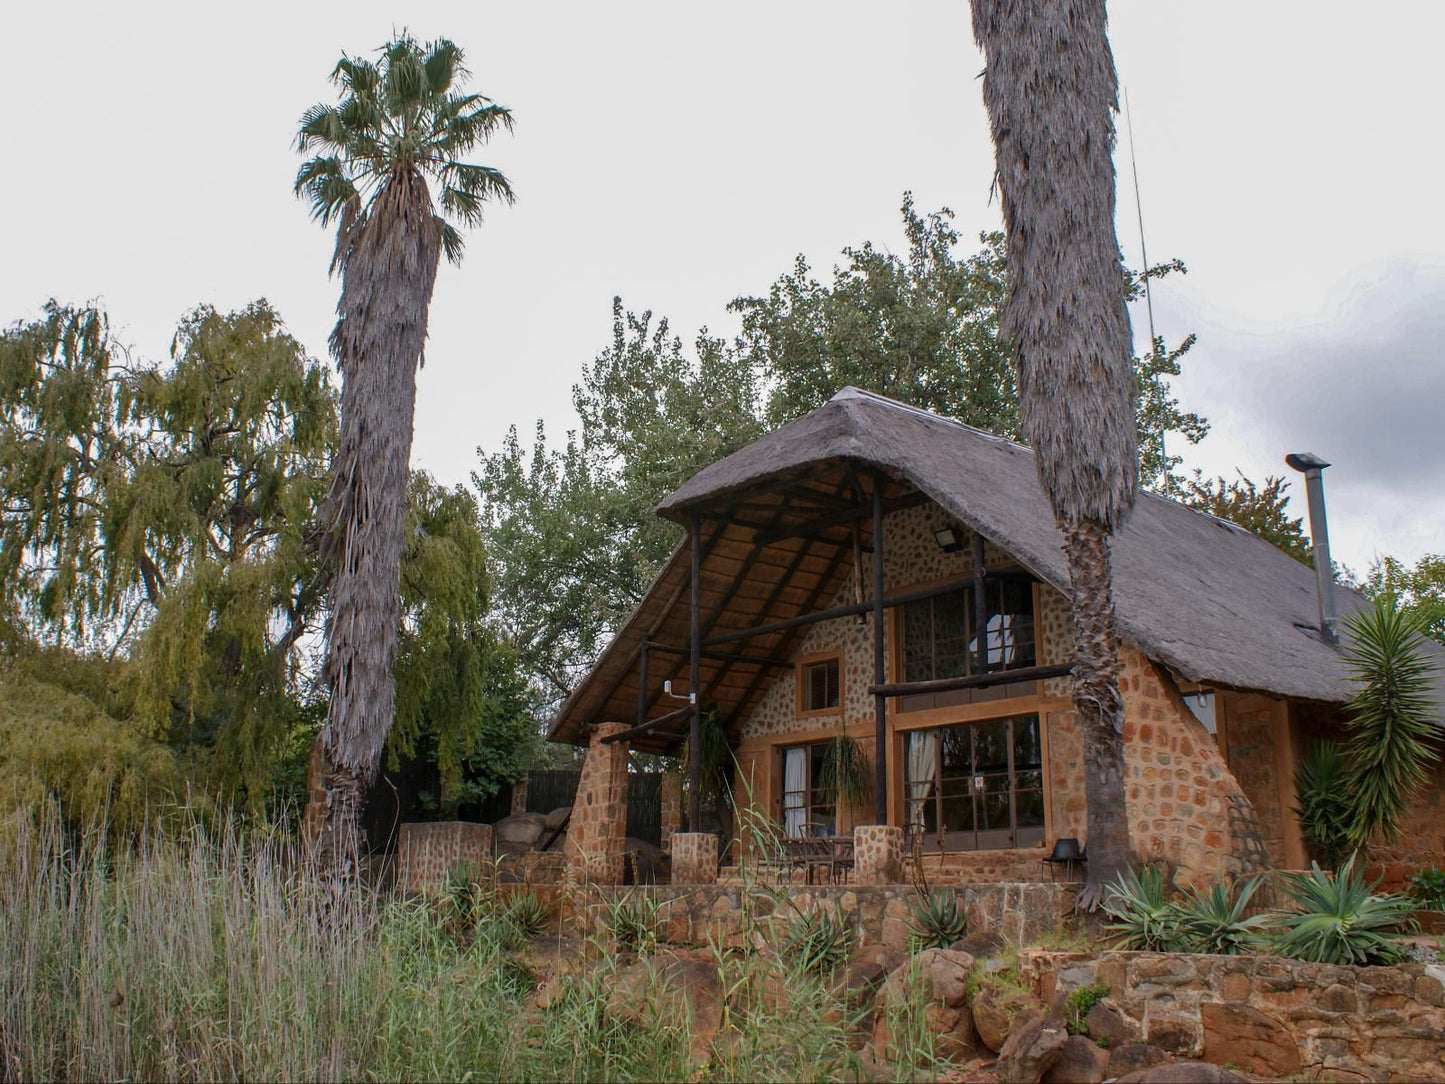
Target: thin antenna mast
<point>1144,255</point>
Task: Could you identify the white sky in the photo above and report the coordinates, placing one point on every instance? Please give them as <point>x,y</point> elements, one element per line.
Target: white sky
<point>681,154</point>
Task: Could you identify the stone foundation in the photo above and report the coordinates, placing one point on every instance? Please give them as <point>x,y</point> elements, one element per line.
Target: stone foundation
<point>694,858</point>
<point>1266,1015</point>
<point>877,854</point>
<point>427,852</point>
<point>597,833</point>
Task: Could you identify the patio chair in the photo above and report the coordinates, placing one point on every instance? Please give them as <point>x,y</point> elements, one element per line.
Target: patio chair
<point>1066,853</point>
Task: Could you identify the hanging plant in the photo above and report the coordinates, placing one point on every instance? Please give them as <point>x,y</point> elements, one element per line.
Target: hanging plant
<point>846,774</point>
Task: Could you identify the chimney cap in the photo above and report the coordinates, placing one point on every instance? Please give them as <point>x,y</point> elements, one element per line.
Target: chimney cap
<point>1305,461</point>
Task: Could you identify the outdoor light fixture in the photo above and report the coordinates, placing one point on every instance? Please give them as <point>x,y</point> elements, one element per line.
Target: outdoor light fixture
<point>1312,467</point>
<point>948,540</point>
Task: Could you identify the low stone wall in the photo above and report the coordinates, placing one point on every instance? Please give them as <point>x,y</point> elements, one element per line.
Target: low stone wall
<point>427,851</point>
<point>715,914</point>
<point>1021,865</point>
<point>1268,1015</point>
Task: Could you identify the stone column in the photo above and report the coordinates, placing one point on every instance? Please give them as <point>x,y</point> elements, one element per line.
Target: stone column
<point>694,858</point>
<point>670,797</point>
<point>878,854</point>
<point>597,834</point>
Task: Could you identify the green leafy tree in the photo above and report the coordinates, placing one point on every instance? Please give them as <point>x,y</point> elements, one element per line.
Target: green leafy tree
<point>1259,509</point>
<point>400,121</point>
<point>1419,590</point>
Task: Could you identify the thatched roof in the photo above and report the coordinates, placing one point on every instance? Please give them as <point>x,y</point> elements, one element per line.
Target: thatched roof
<point>1202,596</point>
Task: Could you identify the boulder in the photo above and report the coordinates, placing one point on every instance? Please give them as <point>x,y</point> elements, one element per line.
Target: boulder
<point>1236,1034</point>
<point>1080,1062</point>
<point>946,972</point>
<point>557,818</point>
<point>659,984</point>
<point>994,1011</point>
<point>1182,1072</point>
<point>1106,1022</point>
<point>1133,1057</point>
<point>1032,1048</point>
<point>518,833</point>
<point>650,865</point>
<point>979,945</point>
<point>952,1028</point>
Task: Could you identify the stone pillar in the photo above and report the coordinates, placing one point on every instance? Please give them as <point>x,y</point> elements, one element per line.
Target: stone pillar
<point>519,799</point>
<point>878,854</point>
<point>597,834</point>
<point>670,796</point>
<point>694,858</point>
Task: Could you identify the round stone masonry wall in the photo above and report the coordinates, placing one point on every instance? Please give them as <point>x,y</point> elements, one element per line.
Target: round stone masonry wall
<point>878,854</point>
<point>694,858</point>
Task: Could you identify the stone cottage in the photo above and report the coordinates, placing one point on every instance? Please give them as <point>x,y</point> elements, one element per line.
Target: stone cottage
<point>876,570</point>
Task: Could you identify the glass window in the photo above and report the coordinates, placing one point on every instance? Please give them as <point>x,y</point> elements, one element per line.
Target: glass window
<point>942,638</point>
<point>821,688</point>
<point>808,807</point>
<point>978,786</point>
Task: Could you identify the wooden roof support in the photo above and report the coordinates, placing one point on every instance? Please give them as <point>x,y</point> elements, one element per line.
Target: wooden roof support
<point>970,681</point>
<point>650,724</point>
<point>880,672</point>
<point>694,731</point>
<point>727,656</point>
<point>844,516</point>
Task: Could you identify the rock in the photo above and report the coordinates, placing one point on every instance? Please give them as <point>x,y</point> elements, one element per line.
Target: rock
<point>655,985</point>
<point>1032,1048</point>
<point>557,818</point>
<point>518,833</point>
<point>1182,1072</point>
<point>1080,1062</point>
<point>860,979</point>
<point>979,945</point>
<point>952,1028</point>
<point>650,865</point>
<point>1242,1036</point>
<point>994,964</point>
<point>1105,1022</point>
<point>994,1012</point>
<point>946,974</point>
<point>1177,1032</point>
<point>1132,1057</point>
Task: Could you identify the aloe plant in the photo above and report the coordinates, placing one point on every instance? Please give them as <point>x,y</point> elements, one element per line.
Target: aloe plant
<point>937,921</point>
<point>1212,920</point>
<point>1340,919</point>
<point>1143,918</point>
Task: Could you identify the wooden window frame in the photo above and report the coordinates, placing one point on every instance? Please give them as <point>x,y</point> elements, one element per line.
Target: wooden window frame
<point>810,787</point>
<point>800,670</point>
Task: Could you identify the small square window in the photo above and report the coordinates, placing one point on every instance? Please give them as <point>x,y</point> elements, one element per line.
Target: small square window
<point>820,685</point>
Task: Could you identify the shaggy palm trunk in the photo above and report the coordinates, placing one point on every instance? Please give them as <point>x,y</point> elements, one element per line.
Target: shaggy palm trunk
<point>1050,89</point>
<point>388,261</point>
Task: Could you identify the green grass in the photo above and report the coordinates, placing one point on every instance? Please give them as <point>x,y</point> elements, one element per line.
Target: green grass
<point>215,957</point>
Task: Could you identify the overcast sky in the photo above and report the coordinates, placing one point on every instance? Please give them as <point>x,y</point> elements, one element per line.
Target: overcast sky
<point>681,154</point>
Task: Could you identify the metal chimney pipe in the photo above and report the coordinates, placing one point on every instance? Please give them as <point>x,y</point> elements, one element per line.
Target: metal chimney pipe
<point>1312,466</point>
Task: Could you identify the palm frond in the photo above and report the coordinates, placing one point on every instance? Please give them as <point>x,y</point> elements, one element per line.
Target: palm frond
<point>443,64</point>
<point>1391,721</point>
<point>357,76</point>
<point>324,183</point>
<point>452,243</point>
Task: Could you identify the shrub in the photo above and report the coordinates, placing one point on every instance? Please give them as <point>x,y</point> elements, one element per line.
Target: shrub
<point>1341,921</point>
<point>527,915</point>
<point>1080,1002</point>
<point>937,921</point>
<point>1142,917</point>
<point>632,921</point>
<point>1212,920</point>
<point>1324,808</point>
<point>818,941</point>
<point>1428,888</point>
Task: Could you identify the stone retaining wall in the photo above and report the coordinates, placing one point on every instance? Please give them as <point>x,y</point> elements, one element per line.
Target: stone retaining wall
<point>714,914</point>
<point>1267,1015</point>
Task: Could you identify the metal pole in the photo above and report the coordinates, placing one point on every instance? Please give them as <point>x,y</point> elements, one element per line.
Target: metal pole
<point>1312,466</point>
<point>880,675</point>
<point>694,741</point>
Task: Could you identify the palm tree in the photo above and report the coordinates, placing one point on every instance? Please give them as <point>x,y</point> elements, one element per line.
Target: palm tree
<point>399,122</point>
<point>1051,93</point>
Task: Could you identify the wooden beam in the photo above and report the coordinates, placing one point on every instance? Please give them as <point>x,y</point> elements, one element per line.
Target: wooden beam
<point>839,518</point>
<point>880,672</point>
<point>726,656</point>
<point>650,724</point>
<point>694,741</point>
<point>970,681</point>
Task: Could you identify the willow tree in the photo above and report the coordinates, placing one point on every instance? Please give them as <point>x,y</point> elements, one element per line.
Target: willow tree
<point>400,122</point>
<point>1051,94</point>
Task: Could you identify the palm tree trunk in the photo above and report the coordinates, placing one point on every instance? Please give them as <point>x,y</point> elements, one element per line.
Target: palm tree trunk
<point>1098,704</point>
<point>1051,92</point>
<point>388,260</point>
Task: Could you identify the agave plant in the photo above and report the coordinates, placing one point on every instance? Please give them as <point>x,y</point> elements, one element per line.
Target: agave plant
<point>1341,921</point>
<point>1143,918</point>
<point>937,921</point>
<point>1323,805</point>
<point>528,915</point>
<point>819,940</point>
<point>1213,920</point>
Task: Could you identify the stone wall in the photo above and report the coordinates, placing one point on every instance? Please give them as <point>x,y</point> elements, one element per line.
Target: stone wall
<point>1184,804</point>
<point>880,914</point>
<point>1266,1015</point>
<point>1252,725</point>
<point>426,852</point>
<point>1021,864</point>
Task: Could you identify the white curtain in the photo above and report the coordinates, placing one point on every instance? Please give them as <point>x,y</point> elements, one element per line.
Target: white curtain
<point>795,791</point>
<point>922,772</point>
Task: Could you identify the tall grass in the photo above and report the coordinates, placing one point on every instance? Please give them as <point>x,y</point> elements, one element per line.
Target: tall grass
<point>215,957</point>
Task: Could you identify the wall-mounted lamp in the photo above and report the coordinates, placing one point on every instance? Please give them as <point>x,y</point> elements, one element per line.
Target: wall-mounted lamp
<point>948,540</point>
